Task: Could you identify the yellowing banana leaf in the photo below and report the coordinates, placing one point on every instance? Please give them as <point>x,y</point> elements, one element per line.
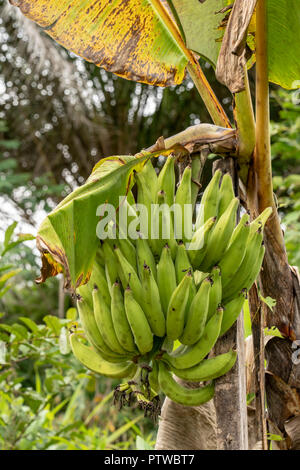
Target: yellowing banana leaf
<point>132,38</point>
<point>67,237</point>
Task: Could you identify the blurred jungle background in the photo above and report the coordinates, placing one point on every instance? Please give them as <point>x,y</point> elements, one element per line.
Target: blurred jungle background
<point>58,116</point>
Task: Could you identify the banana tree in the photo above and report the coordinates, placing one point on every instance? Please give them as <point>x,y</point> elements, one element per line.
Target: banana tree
<point>157,42</point>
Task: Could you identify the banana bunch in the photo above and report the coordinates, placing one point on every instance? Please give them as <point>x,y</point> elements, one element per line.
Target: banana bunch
<point>156,304</point>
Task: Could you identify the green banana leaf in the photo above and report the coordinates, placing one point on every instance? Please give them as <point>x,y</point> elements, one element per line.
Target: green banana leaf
<point>284,42</point>
<point>200,24</point>
<point>67,237</point>
<point>131,38</point>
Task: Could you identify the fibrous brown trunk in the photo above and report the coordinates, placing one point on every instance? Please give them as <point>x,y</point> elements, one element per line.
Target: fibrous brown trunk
<point>187,427</point>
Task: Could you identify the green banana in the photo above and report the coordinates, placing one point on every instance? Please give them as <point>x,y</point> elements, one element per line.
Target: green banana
<point>100,257</point>
<point>209,201</point>
<point>150,178</point>
<point>199,276</point>
<point>220,235</point>
<point>177,307</point>
<point>255,269</point>
<point>166,180</point>
<point>166,278</point>
<point>249,265</point>
<point>104,322</point>
<point>128,275</point>
<point>234,255</point>
<point>261,220</point>
<point>96,363</point>
<point>152,304</point>
<point>247,277</point>
<point>208,369</point>
<point>93,334</point>
<point>196,174</point>
<point>232,310</point>
<point>128,250</point>
<point>183,204</point>
<point>189,356</point>
<point>119,318</point>
<point>144,198</point>
<point>126,214</point>
<point>97,276</point>
<point>180,394</point>
<point>153,377</point>
<point>215,294</point>
<point>111,266</point>
<point>226,194</point>
<point>145,256</point>
<point>197,248</point>
<point>197,314</point>
<point>163,231</point>
<point>182,262</point>
<point>138,322</point>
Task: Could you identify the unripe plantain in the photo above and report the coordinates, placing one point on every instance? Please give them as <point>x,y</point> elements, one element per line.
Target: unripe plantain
<point>208,369</point>
<point>260,221</point>
<point>234,255</point>
<point>220,236</point>
<point>166,278</point>
<point>250,263</point>
<point>98,277</point>
<point>93,334</point>
<point>128,274</point>
<point>210,201</point>
<point>215,294</point>
<point>144,198</point>
<point>232,310</point>
<point>104,322</point>
<point>111,265</point>
<point>128,250</point>
<point>226,194</point>
<point>180,394</point>
<point>162,227</point>
<point>150,178</point>
<point>119,318</point>
<point>182,265</point>
<point>145,256</point>
<point>197,248</point>
<point>189,356</point>
<point>177,306</point>
<point>166,180</point>
<point>182,262</point>
<point>183,204</point>
<point>152,304</point>
<point>197,314</point>
<point>96,363</point>
<point>138,322</point>
<point>196,173</point>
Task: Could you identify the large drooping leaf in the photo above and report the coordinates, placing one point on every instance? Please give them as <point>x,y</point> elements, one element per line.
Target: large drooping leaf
<point>284,42</point>
<point>131,38</point>
<point>200,23</point>
<point>67,237</point>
